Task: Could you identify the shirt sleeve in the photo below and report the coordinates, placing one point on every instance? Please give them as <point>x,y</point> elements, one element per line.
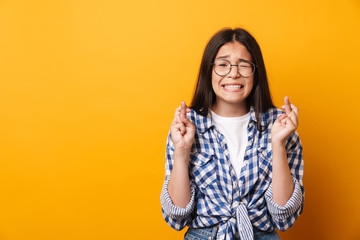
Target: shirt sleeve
<point>175,216</point>
<point>285,216</point>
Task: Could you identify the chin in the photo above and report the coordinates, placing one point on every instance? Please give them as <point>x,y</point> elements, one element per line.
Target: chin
<point>235,101</point>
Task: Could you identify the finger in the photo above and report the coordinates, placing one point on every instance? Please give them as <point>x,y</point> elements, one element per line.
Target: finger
<point>295,109</point>
<point>179,125</point>
<point>177,111</point>
<point>286,120</point>
<point>182,129</point>
<point>280,118</point>
<point>174,121</point>
<point>183,112</point>
<point>177,118</point>
<point>294,118</point>
<point>288,123</point>
<point>183,107</point>
<point>290,119</point>
<point>287,105</point>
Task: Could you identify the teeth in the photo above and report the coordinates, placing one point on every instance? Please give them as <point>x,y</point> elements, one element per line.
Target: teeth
<point>232,86</point>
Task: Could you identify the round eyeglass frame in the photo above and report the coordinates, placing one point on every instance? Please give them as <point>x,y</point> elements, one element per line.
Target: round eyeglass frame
<point>231,65</point>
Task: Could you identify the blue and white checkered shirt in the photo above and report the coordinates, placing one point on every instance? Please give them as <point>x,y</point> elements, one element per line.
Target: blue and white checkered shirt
<point>218,197</point>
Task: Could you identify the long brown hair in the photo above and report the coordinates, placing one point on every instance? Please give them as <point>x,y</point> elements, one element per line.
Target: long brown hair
<point>204,97</point>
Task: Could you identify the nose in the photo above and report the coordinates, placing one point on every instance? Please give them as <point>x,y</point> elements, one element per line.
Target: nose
<point>234,71</point>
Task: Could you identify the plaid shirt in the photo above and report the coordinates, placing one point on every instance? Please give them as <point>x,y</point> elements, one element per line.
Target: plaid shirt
<point>219,197</point>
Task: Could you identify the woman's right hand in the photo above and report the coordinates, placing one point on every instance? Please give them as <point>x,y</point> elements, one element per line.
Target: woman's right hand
<point>182,130</point>
<point>182,135</point>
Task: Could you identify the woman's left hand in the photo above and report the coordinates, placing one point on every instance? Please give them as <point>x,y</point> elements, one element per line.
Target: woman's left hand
<point>285,124</point>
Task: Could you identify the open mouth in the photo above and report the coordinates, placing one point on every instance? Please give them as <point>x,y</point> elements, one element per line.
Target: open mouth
<point>232,87</point>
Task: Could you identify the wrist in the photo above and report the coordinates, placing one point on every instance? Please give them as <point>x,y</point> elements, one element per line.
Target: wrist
<point>182,154</point>
<point>278,143</point>
<point>182,149</point>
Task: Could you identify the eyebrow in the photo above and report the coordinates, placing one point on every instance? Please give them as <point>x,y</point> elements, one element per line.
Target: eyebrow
<point>226,56</point>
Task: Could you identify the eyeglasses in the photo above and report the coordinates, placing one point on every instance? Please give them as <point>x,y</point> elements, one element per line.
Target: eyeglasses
<point>222,67</point>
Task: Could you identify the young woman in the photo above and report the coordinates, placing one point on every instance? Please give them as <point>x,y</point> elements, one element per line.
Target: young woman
<point>234,163</point>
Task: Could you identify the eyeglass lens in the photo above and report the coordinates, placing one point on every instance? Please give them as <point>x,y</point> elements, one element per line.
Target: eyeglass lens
<point>223,67</point>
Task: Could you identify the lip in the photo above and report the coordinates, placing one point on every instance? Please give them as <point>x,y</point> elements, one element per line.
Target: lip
<point>232,89</point>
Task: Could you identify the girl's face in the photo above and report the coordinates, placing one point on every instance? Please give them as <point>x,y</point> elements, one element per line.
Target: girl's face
<point>232,89</point>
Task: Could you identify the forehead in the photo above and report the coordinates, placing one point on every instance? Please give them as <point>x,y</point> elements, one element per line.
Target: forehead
<point>233,50</point>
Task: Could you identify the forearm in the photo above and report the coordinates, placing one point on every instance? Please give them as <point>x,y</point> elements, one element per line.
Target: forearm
<point>282,182</point>
<point>179,184</point>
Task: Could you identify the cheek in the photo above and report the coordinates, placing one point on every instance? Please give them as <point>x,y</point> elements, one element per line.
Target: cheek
<point>214,81</point>
<point>251,83</point>
<point>213,77</point>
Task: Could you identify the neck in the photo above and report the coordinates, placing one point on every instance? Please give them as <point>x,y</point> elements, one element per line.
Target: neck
<point>230,110</point>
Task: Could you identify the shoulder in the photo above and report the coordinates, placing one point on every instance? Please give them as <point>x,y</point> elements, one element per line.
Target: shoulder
<point>201,123</point>
<point>273,112</point>
<point>193,116</point>
<point>269,116</point>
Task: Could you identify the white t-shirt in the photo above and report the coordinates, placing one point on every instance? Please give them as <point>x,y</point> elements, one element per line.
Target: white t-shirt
<point>234,130</point>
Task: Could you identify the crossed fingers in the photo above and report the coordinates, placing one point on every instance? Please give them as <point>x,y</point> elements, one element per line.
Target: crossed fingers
<point>180,112</point>
<point>291,111</point>
<point>180,119</point>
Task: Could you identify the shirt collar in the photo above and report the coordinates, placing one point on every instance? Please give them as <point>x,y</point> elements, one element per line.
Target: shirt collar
<point>205,123</point>
<point>252,115</point>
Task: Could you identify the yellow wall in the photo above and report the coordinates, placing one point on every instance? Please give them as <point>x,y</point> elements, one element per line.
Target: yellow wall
<point>88,90</point>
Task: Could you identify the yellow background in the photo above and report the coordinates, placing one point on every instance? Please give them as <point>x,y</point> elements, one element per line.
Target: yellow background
<point>88,90</point>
